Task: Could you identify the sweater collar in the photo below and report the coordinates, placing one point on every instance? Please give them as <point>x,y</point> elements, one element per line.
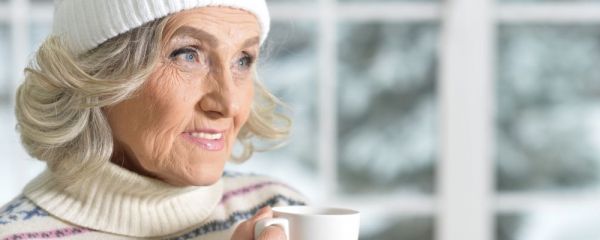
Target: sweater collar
<point>122,202</point>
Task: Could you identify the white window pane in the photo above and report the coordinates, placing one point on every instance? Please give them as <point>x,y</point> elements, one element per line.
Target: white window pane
<point>37,34</point>
<point>548,1</point>
<point>366,1</point>
<point>548,96</point>
<point>17,167</point>
<point>508,226</point>
<point>288,69</point>
<point>5,65</point>
<point>275,1</point>
<point>547,223</point>
<point>396,228</point>
<point>387,112</point>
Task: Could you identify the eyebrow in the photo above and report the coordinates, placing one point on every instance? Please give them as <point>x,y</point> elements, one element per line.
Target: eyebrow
<point>198,34</point>
<point>211,39</point>
<point>250,42</point>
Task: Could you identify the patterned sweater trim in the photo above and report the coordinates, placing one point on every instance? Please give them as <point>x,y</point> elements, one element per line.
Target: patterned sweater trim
<point>213,226</point>
<point>21,210</point>
<point>51,234</point>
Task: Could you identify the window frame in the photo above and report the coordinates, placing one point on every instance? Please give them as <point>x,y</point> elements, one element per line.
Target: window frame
<point>465,98</point>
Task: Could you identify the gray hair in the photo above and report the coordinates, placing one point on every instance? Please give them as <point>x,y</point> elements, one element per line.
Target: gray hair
<point>59,104</point>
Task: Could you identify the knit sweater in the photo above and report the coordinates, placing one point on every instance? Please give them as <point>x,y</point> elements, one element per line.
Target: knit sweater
<point>119,204</point>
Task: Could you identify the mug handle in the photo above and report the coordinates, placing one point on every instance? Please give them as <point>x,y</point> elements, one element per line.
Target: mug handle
<point>262,224</point>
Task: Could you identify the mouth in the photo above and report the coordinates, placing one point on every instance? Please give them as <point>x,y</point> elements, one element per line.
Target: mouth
<point>209,140</point>
<point>207,136</point>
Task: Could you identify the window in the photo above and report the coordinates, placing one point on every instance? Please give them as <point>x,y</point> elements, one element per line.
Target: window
<point>456,119</point>
<point>365,109</point>
<point>547,128</point>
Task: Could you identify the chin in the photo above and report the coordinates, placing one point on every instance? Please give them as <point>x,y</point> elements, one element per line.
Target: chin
<point>203,181</point>
<point>204,178</point>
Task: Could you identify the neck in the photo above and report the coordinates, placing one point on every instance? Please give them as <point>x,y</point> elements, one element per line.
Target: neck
<point>123,202</point>
<point>124,159</point>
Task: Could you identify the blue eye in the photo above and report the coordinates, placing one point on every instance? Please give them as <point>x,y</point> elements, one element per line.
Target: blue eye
<point>246,61</point>
<point>186,54</point>
<point>189,57</point>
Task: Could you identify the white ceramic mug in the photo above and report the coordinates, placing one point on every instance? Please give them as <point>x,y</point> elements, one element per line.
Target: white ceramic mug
<point>313,223</point>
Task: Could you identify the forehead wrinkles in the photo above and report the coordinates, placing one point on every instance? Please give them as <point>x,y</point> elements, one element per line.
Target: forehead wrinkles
<point>221,15</point>
<point>234,23</point>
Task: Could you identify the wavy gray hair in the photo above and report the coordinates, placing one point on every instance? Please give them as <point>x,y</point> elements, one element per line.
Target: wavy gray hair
<point>59,104</point>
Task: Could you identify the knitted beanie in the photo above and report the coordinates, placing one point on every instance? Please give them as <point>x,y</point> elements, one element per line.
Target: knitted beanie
<point>85,24</point>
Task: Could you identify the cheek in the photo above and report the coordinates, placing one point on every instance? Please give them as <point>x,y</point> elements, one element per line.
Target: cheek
<point>165,121</point>
<point>149,132</point>
<point>245,106</point>
<point>151,122</point>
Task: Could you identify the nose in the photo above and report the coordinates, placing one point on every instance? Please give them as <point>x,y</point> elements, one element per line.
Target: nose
<point>220,99</point>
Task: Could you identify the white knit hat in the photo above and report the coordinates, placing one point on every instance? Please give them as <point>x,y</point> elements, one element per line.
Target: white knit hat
<point>85,24</point>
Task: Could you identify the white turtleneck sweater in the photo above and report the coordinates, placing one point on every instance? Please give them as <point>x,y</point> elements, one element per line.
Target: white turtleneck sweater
<point>119,204</point>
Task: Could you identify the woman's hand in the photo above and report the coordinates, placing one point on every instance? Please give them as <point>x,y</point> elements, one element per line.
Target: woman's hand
<point>245,231</point>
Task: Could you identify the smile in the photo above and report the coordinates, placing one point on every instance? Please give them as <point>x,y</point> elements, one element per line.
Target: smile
<point>208,136</point>
<point>210,141</point>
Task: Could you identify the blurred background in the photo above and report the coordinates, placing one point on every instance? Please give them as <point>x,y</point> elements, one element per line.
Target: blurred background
<point>373,89</point>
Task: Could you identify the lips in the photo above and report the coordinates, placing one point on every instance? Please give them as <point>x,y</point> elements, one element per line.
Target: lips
<point>209,140</point>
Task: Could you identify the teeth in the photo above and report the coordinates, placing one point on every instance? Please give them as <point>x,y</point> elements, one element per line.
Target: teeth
<point>209,136</point>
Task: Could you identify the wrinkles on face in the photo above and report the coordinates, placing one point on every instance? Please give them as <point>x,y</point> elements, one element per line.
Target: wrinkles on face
<point>205,88</point>
<point>162,85</point>
<point>213,19</point>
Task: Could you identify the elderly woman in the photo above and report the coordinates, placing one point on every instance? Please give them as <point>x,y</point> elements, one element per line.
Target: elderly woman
<point>135,106</point>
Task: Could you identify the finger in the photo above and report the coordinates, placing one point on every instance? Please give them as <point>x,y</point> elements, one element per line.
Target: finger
<point>245,230</point>
<point>264,212</point>
<point>272,232</point>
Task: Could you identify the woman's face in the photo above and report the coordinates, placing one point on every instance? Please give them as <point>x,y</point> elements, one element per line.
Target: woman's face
<point>182,124</point>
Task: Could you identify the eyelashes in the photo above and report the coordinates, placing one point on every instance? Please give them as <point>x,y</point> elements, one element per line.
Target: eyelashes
<point>180,51</point>
<point>188,54</point>
<point>246,61</point>
<point>193,56</point>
